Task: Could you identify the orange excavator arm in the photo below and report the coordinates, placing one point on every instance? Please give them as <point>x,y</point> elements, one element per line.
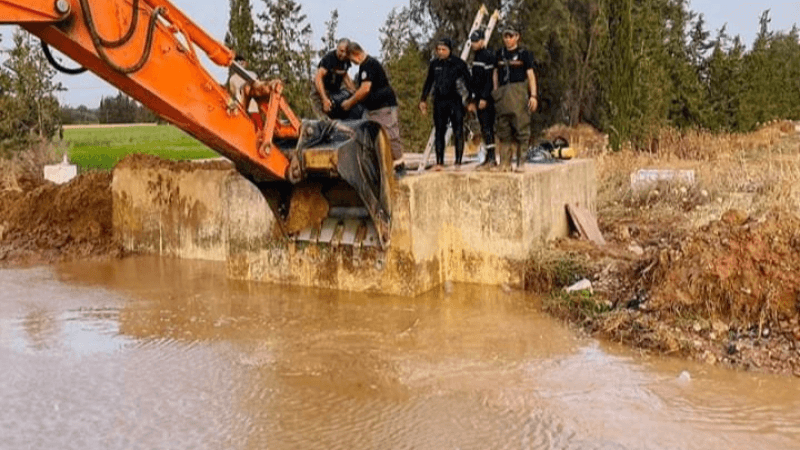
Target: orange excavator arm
<point>147,48</point>
<point>308,172</point>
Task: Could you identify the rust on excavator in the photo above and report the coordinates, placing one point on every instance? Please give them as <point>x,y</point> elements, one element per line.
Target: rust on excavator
<point>314,174</point>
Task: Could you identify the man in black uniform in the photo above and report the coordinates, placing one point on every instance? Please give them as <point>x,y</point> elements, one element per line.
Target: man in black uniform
<point>332,85</point>
<point>444,73</point>
<point>481,87</point>
<point>515,97</point>
<point>378,98</point>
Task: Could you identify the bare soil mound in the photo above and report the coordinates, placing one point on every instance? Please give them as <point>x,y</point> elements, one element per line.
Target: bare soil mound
<point>741,270</point>
<point>725,293</point>
<point>42,222</point>
<point>708,271</point>
<point>141,161</point>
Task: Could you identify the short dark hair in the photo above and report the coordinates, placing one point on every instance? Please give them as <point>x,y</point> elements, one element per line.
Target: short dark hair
<point>238,58</point>
<point>354,47</point>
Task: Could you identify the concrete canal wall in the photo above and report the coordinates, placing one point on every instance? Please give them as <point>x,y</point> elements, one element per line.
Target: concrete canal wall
<point>462,226</point>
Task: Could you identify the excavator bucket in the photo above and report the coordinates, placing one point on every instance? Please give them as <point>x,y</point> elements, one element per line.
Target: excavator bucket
<point>342,181</point>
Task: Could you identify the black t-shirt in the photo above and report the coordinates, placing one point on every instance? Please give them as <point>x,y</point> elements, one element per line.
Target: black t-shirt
<point>336,70</point>
<point>512,66</point>
<point>380,94</point>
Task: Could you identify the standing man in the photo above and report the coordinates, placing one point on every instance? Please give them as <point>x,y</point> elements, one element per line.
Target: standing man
<point>236,83</point>
<point>515,96</point>
<point>332,85</point>
<point>378,98</point>
<point>481,101</point>
<point>444,73</point>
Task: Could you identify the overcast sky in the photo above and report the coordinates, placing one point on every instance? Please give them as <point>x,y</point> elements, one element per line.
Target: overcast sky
<point>361,19</point>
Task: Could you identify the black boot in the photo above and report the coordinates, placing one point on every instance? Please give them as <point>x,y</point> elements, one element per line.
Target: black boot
<point>491,159</point>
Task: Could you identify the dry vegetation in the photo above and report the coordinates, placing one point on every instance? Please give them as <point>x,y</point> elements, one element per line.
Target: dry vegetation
<point>709,269</point>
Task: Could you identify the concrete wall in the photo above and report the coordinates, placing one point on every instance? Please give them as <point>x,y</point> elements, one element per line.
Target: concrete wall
<point>460,226</point>
<point>171,211</point>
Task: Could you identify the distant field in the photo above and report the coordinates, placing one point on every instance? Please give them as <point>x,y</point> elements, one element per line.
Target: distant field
<point>102,148</point>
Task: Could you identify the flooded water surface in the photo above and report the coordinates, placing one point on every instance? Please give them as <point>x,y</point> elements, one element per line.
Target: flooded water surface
<point>148,353</point>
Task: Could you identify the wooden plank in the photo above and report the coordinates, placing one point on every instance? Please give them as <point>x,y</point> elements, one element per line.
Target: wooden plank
<point>586,223</point>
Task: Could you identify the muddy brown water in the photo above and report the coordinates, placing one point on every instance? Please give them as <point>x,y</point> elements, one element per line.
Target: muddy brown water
<point>148,353</point>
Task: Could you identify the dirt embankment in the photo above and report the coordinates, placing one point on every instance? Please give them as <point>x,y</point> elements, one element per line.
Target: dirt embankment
<point>709,271</point>
<point>42,222</point>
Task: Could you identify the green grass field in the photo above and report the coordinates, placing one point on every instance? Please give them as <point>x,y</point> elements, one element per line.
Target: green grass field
<point>103,148</point>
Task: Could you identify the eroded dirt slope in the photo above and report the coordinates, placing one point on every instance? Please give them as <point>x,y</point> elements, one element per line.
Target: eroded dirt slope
<point>42,222</point>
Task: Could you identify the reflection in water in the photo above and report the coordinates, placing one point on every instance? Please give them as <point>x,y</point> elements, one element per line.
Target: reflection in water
<point>158,353</point>
<point>42,329</point>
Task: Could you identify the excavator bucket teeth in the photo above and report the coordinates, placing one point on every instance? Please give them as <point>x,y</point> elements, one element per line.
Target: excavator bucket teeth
<point>366,166</point>
<point>344,185</point>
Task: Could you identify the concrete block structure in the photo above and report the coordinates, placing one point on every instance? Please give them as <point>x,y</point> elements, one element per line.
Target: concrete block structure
<point>464,226</point>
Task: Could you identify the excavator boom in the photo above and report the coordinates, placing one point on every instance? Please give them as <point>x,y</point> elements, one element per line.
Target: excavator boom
<point>147,49</point>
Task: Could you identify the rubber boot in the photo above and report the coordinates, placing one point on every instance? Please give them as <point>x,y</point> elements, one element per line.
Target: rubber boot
<point>491,159</point>
<point>505,156</point>
<point>518,153</point>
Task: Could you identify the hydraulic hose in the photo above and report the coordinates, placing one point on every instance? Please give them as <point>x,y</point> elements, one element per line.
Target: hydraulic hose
<point>57,65</point>
<point>99,43</point>
<point>128,35</point>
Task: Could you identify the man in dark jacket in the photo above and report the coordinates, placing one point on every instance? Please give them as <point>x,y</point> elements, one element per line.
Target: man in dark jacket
<point>481,87</point>
<point>445,72</point>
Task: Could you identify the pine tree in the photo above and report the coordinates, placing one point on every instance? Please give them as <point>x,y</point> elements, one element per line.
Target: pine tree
<point>723,77</point>
<point>396,34</point>
<point>285,51</point>
<point>329,39</point>
<point>241,30</point>
<point>684,62</point>
<point>28,105</point>
<point>407,74</point>
<point>619,72</point>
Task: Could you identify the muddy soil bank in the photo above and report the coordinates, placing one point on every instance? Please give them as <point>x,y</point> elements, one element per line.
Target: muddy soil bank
<point>687,271</point>
<point>42,222</point>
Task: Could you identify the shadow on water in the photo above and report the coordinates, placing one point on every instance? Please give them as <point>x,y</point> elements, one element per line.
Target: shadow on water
<point>160,353</point>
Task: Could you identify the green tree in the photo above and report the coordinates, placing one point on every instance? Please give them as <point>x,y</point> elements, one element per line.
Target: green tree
<point>329,39</point>
<point>79,115</point>
<point>398,33</point>
<point>241,30</point>
<point>28,106</point>
<point>118,109</point>
<point>724,80</point>
<point>285,51</point>
<point>407,75</point>
<point>452,18</point>
<point>685,62</point>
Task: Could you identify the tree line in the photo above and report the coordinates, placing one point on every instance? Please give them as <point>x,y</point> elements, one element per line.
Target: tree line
<point>628,67</point>
<point>117,109</point>
<point>28,105</point>
<point>29,108</point>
